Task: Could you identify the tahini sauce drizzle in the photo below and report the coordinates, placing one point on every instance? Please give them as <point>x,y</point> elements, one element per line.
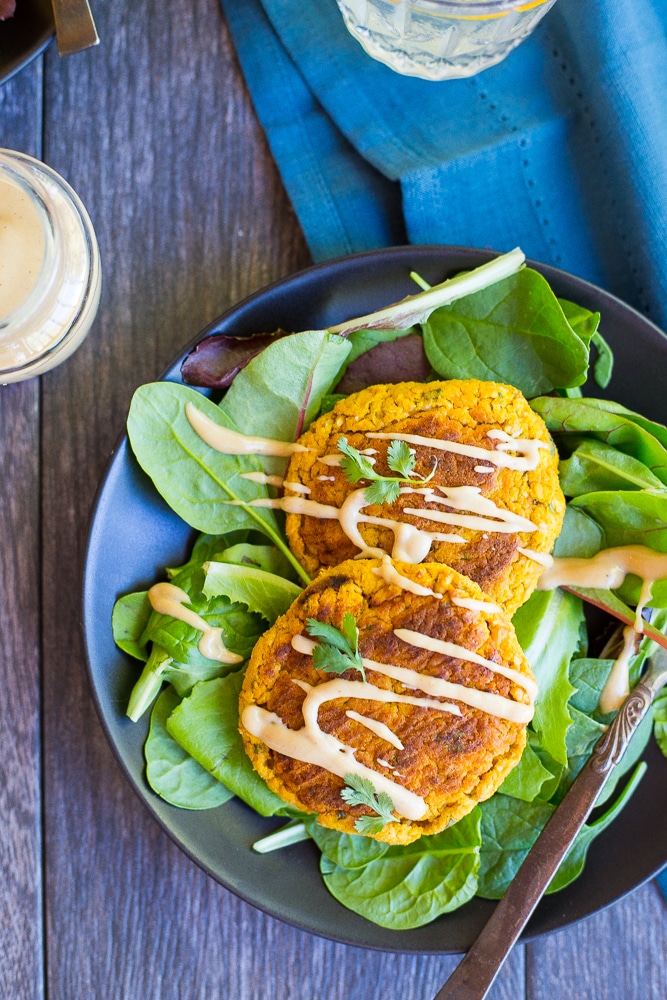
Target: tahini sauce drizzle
<point>231,442</point>
<point>168,599</point>
<point>527,449</point>
<point>606,571</point>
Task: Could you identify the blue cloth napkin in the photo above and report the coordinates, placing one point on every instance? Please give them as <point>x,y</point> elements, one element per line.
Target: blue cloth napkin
<point>560,149</point>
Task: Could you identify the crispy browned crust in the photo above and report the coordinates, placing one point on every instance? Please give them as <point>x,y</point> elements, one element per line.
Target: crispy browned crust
<point>452,761</point>
<point>457,410</point>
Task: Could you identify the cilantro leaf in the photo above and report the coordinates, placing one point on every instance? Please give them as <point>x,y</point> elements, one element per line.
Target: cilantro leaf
<point>336,651</point>
<point>382,489</point>
<point>400,458</point>
<point>360,791</point>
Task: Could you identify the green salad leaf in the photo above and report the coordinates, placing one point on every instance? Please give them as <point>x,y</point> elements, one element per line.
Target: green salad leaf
<point>514,332</point>
<point>171,772</point>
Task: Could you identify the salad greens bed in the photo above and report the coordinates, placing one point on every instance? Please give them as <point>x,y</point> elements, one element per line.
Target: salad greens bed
<point>500,322</point>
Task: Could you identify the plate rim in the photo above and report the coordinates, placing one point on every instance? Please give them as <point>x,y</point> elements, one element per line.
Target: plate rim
<point>120,453</point>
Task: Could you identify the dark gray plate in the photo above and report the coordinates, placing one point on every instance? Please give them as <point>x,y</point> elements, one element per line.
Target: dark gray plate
<point>25,35</point>
<point>134,536</point>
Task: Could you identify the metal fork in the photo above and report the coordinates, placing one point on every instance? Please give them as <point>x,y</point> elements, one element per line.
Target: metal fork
<point>472,979</point>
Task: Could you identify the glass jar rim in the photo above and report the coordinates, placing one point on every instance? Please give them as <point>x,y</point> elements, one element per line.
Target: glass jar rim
<point>470,8</point>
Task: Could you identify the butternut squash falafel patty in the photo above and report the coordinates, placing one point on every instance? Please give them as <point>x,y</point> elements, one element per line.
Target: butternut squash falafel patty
<point>492,508</point>
<point>437,723</point>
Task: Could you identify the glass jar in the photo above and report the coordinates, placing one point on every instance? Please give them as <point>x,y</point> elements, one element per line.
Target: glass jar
<point>50,274</point>
<point>441,39</point>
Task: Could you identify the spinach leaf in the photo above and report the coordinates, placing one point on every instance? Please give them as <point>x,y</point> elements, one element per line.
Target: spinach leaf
<point>193,478</point>
<point>515,331</point>
<point>290,378</point>
<point>128,620</point>
<point>346,850</point>
<point>584,322</point>
<point>610,423</point>
<point>579,536</point>
<point>509,829</point>
<point>171,772</point>
<point>573,863</point>
<point>206,724</point>
<point>413,884</point>
<point>264,593</point>
<point>548,627</point>
<point>595,466</point>
<point>660,720</point>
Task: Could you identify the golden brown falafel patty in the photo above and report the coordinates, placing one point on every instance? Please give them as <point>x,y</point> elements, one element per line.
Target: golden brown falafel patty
<point>461,411</point>
<point>450,761</point>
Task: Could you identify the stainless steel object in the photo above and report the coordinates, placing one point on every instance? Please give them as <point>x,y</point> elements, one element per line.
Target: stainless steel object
<point>75,27</point>
<point>472,979</point>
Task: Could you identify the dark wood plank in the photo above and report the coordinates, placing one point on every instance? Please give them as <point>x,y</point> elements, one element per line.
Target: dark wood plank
<point>618,954</point>
<point>21,955</point>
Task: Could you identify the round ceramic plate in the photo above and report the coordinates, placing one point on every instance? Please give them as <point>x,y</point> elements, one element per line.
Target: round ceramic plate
<point>25,35</point>
<point>134,536</point>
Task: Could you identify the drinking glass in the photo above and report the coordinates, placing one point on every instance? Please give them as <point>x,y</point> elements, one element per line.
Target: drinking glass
<point>441,39</point>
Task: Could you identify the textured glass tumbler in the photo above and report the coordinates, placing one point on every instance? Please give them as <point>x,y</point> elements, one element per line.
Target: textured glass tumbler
<point>441,39</point>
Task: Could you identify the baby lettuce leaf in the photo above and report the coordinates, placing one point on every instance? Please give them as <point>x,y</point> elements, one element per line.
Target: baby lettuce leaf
<point>264,557</point>
<point>206,724</point>
<point>386,362</point>
<point>413,884</point>
<point>515,331</point>
<point>529,777</point>
<point>264,593</point>
<point>129,620</point>
<point>594,466</point>
<point>290,378</point>
<point>548,629</point>
<point>171,772</point>
<point>610,423</point>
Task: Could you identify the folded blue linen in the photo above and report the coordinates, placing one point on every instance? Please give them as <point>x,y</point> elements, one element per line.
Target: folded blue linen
<point>560,149</point>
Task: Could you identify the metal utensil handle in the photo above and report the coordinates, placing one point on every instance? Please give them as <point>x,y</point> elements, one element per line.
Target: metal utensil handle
<point>472,979</point>
<point>75,27</point>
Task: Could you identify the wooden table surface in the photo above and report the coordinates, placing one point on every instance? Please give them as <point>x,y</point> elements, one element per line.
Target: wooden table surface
<point>156,132</point>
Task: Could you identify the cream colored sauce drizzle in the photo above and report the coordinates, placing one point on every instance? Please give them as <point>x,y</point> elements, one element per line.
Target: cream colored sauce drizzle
<point>411,544</point>
<point>473,604</point>
<point>484,468</point>
<point>297,487</point>
<point>336,459</point>
<point>263,479</point>
<point>461,653</point>
<point>167,599</point>
<point>617,685</point>
<point>543,558</point>
<point>484,514</point>
<point>327,479</point>
<point>231,442</point>
<point>379,728</point>
<point>390,575</point>
<point>607,569</point>
<point>528,449</point>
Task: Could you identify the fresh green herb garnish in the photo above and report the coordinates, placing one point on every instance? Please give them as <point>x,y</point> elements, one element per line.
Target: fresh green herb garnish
<point>361,792</point>
<point>338,649</point>
<point>383,489</point>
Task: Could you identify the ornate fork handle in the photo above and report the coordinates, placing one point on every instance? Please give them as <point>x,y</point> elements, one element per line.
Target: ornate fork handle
<point>612,745</point>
